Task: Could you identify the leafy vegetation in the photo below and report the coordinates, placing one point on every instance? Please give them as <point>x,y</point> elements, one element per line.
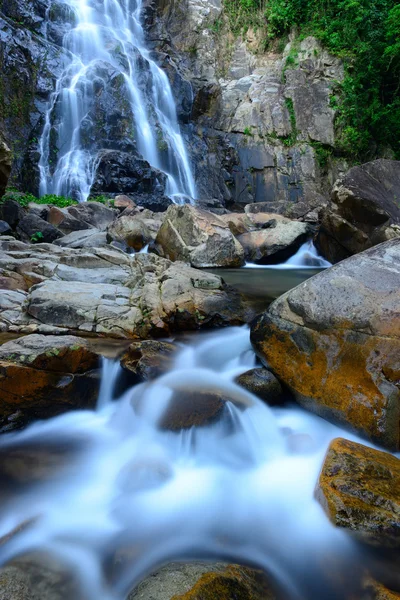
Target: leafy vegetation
<point>24,198</point>
<point>37,237</point>
<point>366,35</point>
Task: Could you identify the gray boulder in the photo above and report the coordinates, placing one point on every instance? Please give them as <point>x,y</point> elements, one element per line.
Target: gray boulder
<point>198,237</point>
<point>93,214</point>
<point>276,242</point>
<point>334,340</point>
<point>365,210</point>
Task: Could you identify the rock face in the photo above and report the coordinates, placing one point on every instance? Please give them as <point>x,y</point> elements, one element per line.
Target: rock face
<point>279,240</point>
<point>359,488</point>
<point>365,210</point>
<point>5,165</point>
<point>107,292</point>
<point>199,237</point>
<point>42,376</point>
<point>334,341</point>
<point>203,581</point>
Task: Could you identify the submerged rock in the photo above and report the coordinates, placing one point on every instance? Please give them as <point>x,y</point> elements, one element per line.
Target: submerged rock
<point>148,359</point>
<point>334,340</point>
<point>199,237</point>
<point>42,376</point>
<point>359,489</point>
<point>262,383</point>
<point>204,581</point>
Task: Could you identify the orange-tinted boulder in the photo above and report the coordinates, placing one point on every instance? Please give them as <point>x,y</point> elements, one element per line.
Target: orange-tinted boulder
<point>334,341</point>
<point>41,376</point>
<point>359,489</point>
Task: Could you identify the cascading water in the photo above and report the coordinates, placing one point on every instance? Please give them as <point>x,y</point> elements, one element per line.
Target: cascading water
<point>306,257</point>
<point>135,492</point>
<point>108,35</point>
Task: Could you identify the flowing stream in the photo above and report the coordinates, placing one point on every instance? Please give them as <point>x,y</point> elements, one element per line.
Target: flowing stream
<point>107,34</point>
<point>133,491</point>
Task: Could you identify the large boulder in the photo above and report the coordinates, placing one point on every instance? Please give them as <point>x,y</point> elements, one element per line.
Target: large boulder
<point>107,292</point>
<point>93,214</point>
<point>359,488</point>
<point>365,210</point>
<point>31,226</point>
<point>277,241</point>
<point>131,230</point>
<point>199,237</point>
<point>41,376</point>
<point>334,340</point>
<point>66,223</point>
<point>203,581</point>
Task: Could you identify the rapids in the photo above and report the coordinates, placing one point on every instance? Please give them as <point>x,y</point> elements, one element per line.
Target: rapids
<point>240,488</point>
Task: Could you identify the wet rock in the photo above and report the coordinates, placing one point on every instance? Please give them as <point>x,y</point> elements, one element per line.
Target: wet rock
<point>262,383</point>
<point>334,341</point>
<point>279,240</point>
<point>148,359</point>
<point>41,376</point>
<point>199,237</point>
<point>359,488</point>
<point>126,173</point>
<point>373,590</point>
<point>364,211</point>
<point>93,214</point>
<point>204,581</point>
<point>15,585</point>
<point>192,408</point>
<point>31,225</point>
<point>5,165</point>
<point>130,230</point>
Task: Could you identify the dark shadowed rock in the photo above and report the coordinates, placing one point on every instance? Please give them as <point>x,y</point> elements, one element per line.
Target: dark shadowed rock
<point>365,210</point>
<point>41,376</point>
<point>359,489</point>
<point>148,359</point>
<point>263,384</point>
<point>5,165</point>
<point>334,340</point>
<point>11,212</point>
<point>31,224</point>
<point>5,228</point>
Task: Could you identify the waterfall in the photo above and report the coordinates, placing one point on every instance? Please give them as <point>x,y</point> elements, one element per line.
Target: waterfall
<point>106,37</point>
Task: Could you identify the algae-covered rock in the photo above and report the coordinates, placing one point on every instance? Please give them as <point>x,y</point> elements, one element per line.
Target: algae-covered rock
<point>334,340</point>
<point>359,488</point>
<point>204,581</point>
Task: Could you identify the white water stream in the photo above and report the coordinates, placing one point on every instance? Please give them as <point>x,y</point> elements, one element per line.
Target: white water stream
<point>241,488</point>
<point>306,257</point>
<point>109,32</point>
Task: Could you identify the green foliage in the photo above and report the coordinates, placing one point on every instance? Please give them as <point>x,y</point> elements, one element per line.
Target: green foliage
<point>24,198</point>
<point>243,14</point>
<point>366,35</point>
<point>37,237</point>
<point>322,154</point>
<point>247,131</point>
